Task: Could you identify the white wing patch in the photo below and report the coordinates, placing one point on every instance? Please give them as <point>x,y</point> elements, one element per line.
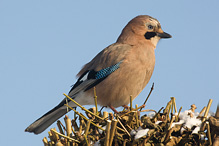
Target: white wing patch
<point>84,77</point>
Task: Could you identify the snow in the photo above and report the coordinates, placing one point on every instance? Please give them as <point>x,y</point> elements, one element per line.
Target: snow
<point>189,119</point>
<point>196,130</point>
<point>151,114</point>
<point>139,132</point>
<point>101,131</point>
<point>97,143</point>
<point>158,122</point>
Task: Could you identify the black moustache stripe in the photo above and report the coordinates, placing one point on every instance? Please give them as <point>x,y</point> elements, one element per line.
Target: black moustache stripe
<point>149,35</point>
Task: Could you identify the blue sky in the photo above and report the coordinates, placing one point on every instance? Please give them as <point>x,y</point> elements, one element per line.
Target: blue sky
<point>44,43</point>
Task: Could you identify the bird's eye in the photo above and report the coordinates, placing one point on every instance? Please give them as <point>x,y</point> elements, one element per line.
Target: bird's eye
<point>150,27</point>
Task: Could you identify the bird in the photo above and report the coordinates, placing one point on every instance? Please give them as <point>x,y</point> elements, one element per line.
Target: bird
<point>119,71</point>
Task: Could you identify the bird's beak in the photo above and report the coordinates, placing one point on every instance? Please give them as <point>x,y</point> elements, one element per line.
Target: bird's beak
<point>164,35</point>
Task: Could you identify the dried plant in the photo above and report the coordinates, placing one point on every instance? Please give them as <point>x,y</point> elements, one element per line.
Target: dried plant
<point>129,128</point>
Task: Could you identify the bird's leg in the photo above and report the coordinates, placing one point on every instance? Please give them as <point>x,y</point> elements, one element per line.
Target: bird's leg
<point>112,108</point>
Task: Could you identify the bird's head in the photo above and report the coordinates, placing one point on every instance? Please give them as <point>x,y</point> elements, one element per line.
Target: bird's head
<point>142,28</point>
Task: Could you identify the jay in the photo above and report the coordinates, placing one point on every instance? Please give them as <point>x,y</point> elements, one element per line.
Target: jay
<point>118,71</point>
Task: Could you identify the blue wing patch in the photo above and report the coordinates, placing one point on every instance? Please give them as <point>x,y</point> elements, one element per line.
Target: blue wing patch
<point>107,71</point>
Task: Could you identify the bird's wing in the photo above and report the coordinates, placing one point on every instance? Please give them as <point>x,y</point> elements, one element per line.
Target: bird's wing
<point>91,78</point>
<point>99,68</point>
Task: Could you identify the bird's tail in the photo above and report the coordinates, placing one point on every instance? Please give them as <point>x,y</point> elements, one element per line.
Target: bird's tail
<point>47,119</point>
